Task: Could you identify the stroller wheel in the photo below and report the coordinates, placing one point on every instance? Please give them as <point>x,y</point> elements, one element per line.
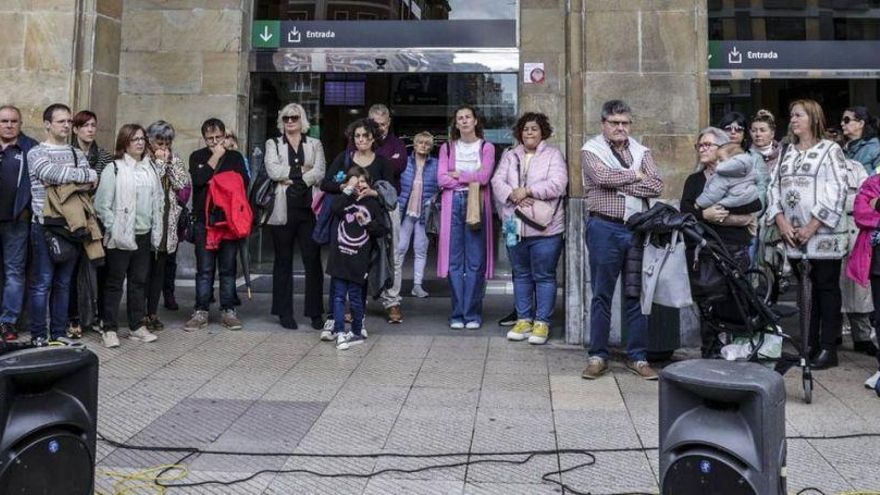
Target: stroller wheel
<point>808,387</point>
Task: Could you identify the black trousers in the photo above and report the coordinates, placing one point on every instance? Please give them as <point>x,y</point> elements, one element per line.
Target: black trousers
<point>826,320</point>
<point>170,271</point>
<point>133,266</point>
<point>156,281</point>
<point>299,228</point>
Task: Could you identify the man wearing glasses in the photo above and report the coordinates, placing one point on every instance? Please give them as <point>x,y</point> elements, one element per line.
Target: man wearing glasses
<point>203,164</point>
<point>15,203</point>
<point>52,163</point>
<point>619,175</point>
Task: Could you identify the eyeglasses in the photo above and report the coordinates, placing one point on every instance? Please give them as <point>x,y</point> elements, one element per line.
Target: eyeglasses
<point>734,128</point>
<point>618,123</point>
<point>846,120</point>
<point>214,139</point>
<point>290,118</point>
<point>704,146</point>
<point>139,139</point>
<point>9,121</point>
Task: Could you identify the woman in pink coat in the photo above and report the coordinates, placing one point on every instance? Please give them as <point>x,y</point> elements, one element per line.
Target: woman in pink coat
<point>530,187</point>
<point>864,262</point>
<point>465,251</point>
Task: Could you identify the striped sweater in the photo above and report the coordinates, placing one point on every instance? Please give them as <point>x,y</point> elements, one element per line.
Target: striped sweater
<point>50,165</point>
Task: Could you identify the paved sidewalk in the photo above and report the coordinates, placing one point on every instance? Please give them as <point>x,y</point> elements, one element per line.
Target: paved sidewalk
<point>421,388</point>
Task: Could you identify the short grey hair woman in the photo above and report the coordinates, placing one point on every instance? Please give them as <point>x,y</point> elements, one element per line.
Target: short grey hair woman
<point>176,187</point>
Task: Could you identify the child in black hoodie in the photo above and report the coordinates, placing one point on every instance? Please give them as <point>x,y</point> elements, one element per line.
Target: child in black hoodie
<point>351,248</point>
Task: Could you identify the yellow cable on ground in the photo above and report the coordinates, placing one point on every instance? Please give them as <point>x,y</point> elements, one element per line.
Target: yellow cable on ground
<point>145,480</point>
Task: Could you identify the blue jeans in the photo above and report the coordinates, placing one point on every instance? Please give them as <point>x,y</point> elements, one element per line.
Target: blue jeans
<point>467,264</point>
<point>339,290</point>
<point>13,252</point>
<point>534,262</point>
<point>223,260</point>
<point>608,243</point>
<point>50,283</point>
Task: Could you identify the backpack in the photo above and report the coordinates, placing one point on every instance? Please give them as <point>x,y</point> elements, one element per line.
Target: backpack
<point>227,210</point>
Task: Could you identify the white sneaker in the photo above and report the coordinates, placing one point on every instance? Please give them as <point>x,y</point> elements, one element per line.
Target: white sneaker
<point>872,382</point>
<point>328,324</point>
<point>364,327</point>
<point>110,339</point>
<point>348,339</point>
<point>472,325</point>
<point>418,291</point>
<point>328,335</point>
<point>142,335</point>
<point>456,325</point>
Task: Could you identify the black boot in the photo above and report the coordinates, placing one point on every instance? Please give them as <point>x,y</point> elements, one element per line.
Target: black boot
<point>171,303</point>
<point>865,347</point>
<point>827,358</point>
<point>288,322</point>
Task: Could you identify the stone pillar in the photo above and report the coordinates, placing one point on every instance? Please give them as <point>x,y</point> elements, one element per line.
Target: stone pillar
<point>37,61</point>
<point>654,55</point>
<point>97,83</point>
<point>183,62</point>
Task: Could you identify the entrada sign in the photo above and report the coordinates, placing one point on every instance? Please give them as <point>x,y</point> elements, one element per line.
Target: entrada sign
<point>793,55</point>
<point>385,34</point>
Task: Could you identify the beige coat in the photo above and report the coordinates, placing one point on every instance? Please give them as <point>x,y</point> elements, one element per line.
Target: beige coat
<point>278,170</point>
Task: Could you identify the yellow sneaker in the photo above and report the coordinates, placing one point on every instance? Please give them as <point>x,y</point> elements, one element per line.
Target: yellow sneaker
<point>520,331</point>
<point>540,333</point>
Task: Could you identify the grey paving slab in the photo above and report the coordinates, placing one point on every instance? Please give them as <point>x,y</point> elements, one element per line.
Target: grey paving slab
<point>538,400</point>
<point>807,467</point>
<point>193,423</point>
<point>256,485</point>
<point>447,379</point>
<point>506,430</point>
<point>598,429</point>
<point>511,489</point>
<point>353,398</point>
<point>421,435</point>
<point>613,472</point>
<point>454,365</point>
<point>270,426</point>
<point>239,383</point>
<point>435,397</point>
<point>287,484</point>
<point>347,433</point>
<point>385,486</point>
<point>512,470</point>
<point>242,464</point>
<point>536,380</point>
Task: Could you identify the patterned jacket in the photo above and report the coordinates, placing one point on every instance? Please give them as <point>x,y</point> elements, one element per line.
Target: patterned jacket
<point>174,176</point>
<point>812,184</point>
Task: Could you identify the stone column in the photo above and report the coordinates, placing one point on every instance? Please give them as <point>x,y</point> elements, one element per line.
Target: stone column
<point>99,37</point>
<point>37,57</point>
<point>652,54</point>
<point>183,62</point>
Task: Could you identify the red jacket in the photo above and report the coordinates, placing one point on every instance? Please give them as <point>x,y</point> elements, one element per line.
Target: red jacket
<point>227,210</point>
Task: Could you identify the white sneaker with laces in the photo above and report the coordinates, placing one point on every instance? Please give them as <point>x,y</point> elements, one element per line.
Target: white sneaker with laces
<point>328,335</point>
<point>328,324</point>
<point>456,325</point>
<point>142,335</point>
<point>110,339</point>
<point>472,325</point>
<point>345,341</point>
<point>872,381</point>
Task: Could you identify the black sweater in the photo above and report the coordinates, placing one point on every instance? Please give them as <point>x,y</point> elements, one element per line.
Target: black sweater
<point>202,173</point>
<point>352,247</point>
<point>737,236</point>
<point>380,169</point>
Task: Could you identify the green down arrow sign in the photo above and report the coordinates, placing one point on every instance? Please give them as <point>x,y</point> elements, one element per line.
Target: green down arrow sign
<point>266,34</point>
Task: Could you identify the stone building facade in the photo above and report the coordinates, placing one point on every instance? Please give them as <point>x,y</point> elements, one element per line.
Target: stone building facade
<point>185,60</point>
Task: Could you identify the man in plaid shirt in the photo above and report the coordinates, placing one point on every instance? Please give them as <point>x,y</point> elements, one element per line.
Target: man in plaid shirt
<point>619,176</point>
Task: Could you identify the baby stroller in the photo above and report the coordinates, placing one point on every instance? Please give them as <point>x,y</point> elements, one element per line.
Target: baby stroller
<point>739,298</point>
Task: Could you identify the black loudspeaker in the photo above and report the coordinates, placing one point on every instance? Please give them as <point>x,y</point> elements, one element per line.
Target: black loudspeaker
<point>722,429</point>
<point>48,413</point>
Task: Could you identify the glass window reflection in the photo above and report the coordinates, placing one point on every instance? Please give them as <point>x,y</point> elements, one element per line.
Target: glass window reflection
<point>319,10</point>
<point>795,20</point>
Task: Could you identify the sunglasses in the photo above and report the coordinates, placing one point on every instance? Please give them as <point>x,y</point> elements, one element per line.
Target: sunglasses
<point>290,118</point>
<point>846,120</point>
<point>734,128</point>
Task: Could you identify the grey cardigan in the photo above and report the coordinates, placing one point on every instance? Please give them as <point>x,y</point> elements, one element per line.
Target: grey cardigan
<point>278,170</point>
<point>735,183</point>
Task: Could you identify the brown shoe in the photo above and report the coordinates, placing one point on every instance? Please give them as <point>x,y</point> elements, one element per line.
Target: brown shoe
<point>394,314</point>
<point>643,369</point>
<point>596,367</point>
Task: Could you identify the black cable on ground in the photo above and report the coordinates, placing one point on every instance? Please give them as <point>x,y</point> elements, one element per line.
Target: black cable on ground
<point>491,458</point>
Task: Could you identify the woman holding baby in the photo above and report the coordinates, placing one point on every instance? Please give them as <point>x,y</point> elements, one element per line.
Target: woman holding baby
<point>722,194</point>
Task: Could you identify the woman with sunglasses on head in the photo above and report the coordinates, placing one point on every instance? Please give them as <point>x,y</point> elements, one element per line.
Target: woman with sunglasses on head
<point>734,124</point>
<point>860,131</point>
<point>296,163</point>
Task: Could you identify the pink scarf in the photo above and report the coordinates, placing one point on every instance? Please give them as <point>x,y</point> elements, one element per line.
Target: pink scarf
<point>414,206</point>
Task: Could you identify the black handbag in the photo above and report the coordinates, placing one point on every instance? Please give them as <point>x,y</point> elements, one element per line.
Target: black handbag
<point>707,281</point>
<point>185,226</point>
<point>61,250</point>
<point>432,215</point>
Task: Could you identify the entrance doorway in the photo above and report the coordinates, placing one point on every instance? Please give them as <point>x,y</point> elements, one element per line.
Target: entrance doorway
<point>418,102</point>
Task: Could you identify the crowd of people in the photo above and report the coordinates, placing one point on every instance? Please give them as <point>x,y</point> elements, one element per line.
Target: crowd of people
<point>79,225</point>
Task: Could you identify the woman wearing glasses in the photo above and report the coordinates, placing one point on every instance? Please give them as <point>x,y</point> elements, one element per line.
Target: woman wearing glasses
<point>130,205</point>
<point>296,163</point>
<point>731,225</point>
